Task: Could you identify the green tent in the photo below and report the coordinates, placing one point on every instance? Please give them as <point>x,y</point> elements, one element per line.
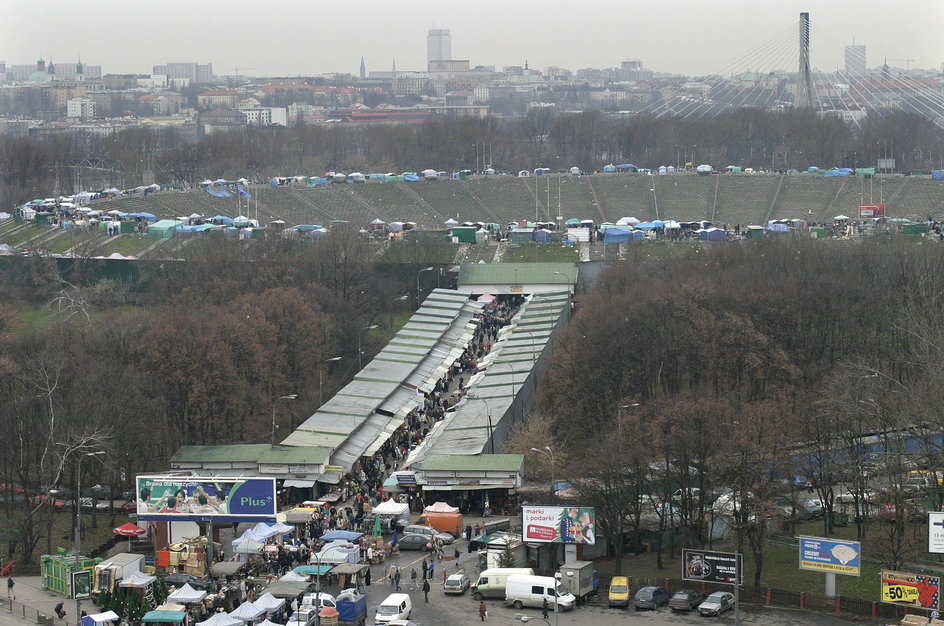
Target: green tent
<point>572,222</point>
<point>164,229</point>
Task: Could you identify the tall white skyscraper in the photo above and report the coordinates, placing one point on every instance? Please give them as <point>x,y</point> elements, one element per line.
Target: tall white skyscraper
<point>438,45</point>
<point>855,59</point>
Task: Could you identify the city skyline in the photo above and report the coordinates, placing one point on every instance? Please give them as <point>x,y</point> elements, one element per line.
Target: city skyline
<point>687,37</point>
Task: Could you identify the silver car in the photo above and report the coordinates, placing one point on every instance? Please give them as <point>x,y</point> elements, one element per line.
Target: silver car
<point>457,583</point>
<point>717,603</point>
<point>430,532</point>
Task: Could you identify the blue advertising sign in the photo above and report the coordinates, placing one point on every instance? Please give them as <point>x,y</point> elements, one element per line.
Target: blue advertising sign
<point>833,556</point>
<point>201,499</point>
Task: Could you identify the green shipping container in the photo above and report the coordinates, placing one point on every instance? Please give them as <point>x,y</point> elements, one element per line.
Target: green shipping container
<point>465,234</point>
<point>915,229</point>
<point>754,232</point>
<point>56,570</point>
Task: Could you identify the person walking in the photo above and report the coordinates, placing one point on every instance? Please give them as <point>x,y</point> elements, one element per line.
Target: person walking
<point>544,609</point>
<point>431,566</point>
<point>483,611</point>
<point>396,579</point>
<point>413,579</point>
<point>367,578</point>
<point>426,591</point>
<point>391,574</point>
<point>10,592</point>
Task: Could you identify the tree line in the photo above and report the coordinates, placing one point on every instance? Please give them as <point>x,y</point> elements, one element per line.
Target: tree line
<point>723,374</point>
<point>757,138</point>
<point>189,353</point>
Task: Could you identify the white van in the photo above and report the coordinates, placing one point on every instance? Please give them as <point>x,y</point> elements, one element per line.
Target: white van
<point>523,590</point>
<point>491,582</point>
<point>396,606</point>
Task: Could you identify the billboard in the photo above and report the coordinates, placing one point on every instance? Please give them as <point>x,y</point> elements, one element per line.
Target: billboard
<point>558,524</point>
<point>936,533</point>
<point>81,584</point>
<point>199,498</point>
<point>911,590</point>
<point>872,210</point>
<point>706,566</point>
<point>832,556</point>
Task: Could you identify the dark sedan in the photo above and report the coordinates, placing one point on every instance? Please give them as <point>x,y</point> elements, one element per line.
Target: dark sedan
<point>413,542</point>
<point>686,600</point>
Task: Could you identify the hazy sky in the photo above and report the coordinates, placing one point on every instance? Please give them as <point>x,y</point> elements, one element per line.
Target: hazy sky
<point>305,38</point>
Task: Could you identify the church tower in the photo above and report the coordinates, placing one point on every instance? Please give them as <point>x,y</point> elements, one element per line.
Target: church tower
<point>363,68</point>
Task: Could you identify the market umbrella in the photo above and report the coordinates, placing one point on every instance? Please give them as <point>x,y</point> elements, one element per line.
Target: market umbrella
<point>129,530</point>
<point>377,532</point>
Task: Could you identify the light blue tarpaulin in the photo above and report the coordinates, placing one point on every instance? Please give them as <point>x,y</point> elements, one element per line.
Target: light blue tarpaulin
<point>218,192</point>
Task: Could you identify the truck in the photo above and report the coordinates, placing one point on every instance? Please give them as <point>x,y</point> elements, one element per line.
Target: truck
<point>115,569</point>
<point>451,523</point>
<point>352,613</point>
<point>577,578</point>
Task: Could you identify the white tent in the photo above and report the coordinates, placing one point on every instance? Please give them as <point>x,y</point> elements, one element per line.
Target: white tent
<point>248,612</point>
<point>632,221</point>
<point>187,595</point>
<point>221,619</point>
<point>100,618</point>
<point>269,602</point>
<point>264,531</point>
<point>293,577</point>
<point>841,218</point>
<point>486,298</point>
<point>137,579</point>
<point>451,222</point>
<point>440,507</point>
<point>377,222</point>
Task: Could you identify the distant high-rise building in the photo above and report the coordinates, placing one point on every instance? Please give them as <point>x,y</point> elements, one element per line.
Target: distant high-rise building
<point>363,68</point>
<point>438,45</point>
<point>855,59</point>
<point>194,71</point>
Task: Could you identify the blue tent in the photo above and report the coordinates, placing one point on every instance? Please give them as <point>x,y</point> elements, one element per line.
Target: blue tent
<point>542,236</point>
<point>617,235</point>
<point>711,234</point>
<point>221,220</point>
<point>645,226</point>
<point>148,216</point>
<point>411,178</point>
<point>375,176</point>
<point>937,174</point>
<point>346,535</point>
<point>609,168</point>
<point>627,166</point>
<point>837,173</point>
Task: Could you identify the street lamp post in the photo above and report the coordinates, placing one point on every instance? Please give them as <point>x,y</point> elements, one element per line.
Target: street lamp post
<point>488,417</point>
<point>425,269</point>
<point>78,526</point>
<point>290,396</point>
<point>360,337</point>
<point>321,379</point>
<point>549,454</point>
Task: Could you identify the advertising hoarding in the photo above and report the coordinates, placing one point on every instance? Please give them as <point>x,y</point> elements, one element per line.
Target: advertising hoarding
<point>872,210</point>
<point>558,524</point>
<point>911,590</point>
<point>832,556</point>
<point>936,533</point>
<point>707,566</point>
<point>199,498</point>
<point>81,584</point>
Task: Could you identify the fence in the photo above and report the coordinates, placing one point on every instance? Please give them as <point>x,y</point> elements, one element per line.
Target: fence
<point>772,596</point>
<point>31,615</point>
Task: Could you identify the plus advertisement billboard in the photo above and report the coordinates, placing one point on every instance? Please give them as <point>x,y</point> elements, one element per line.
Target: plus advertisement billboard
<point>201,499</point>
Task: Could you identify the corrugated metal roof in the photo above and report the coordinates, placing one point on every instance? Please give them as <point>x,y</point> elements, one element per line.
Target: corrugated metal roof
<point>246,452</point>
<point>517,273</point>
<point>368,410</point>
<point>478,462</point>
<point>312,455</point>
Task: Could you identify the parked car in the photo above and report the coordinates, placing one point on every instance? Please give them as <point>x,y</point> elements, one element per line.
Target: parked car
<point>619,591</point>
<point>911,511</point>
<point>318,600</point>
<point>847,497</point>
<point>304,616</point>
<point>413,542</point>
<point>650,598</point>
<point>397,606</point>
<point>686,600</point>
<point>429,532</point>
<point>456,583</point>
<point>716,604</point>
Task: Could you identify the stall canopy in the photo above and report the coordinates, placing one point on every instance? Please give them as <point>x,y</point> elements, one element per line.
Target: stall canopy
<point>226,568</point>
<point>100,618</point>
<point>137,579</point>
<point>171,617</point>
<point>313,570</point>
<point>293,577</point>
<point>283,589</point>
<point>269,602</point>
<point>440,507</point>
<point>187,594</point>
<point>248,612</point>
<point>221,619</point>
<point>346,535</point>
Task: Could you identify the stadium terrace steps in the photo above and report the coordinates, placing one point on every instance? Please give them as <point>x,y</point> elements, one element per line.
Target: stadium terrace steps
<point>509,200</point>
<point>451,199</point>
